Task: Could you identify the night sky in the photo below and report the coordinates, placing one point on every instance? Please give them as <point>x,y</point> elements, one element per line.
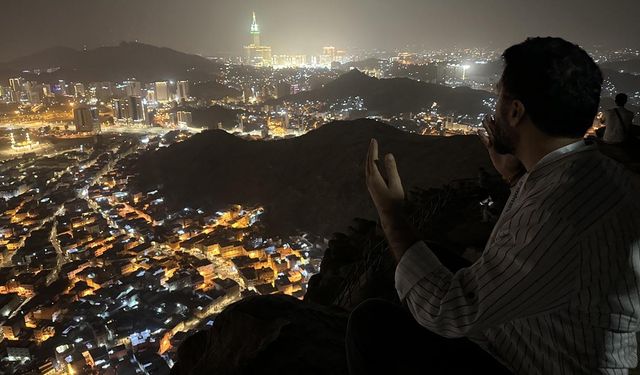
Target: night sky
<point>303,26</point>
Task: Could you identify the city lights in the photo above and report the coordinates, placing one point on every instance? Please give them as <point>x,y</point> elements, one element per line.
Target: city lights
<point>107,267</point>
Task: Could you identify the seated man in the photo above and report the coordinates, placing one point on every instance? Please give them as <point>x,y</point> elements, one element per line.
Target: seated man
<point>618,121</point>
<point>557,288</point>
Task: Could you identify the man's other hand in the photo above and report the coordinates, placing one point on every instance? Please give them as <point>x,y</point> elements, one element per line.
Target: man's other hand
<point>386,195</point>
<point>506,164</point>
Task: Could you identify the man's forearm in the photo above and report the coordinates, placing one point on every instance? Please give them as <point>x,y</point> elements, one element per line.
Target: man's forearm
<point>399,232</point>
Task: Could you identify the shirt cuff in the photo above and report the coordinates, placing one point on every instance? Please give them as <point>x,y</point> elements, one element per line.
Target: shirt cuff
<point>416,263</point>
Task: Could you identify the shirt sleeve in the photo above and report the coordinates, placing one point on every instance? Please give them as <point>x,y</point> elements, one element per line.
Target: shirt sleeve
<point>531,267</point>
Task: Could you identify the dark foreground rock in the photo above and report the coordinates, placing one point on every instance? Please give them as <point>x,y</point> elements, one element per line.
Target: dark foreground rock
<point>455,221</point>
<point>274,334</point>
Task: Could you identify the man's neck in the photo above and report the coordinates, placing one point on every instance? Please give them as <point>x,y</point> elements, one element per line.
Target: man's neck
<point>532,152</point>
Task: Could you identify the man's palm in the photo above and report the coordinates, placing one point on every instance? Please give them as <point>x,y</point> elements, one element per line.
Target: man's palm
<point>385,194</point>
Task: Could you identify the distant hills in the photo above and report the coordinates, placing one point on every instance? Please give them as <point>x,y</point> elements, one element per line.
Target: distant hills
<point>144,62</point>
<point>628,66</point>
<point>624,82</point>
<point>314,182</point>
<point>397,95</point>
<point>624,75</point>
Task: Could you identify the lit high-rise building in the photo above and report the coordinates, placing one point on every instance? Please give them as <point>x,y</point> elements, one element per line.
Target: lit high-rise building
<point>46,90</point>
<point>34,93</point>
<point>183,90</point>
<point>16,84</point>
<point>7,95</point>
<point>120,109</point>
<point>151,95</point>
<point>330,55</point>
<point>329,51</point>
<point>257,54</point>
<point>184,118</point>
<point>288,61</point>
<point>14,96</point>
<point>86,119</point>
<point>162,91</point>
<point>137,110</point>
<point>133,88</point>
<point>79,90</point>
<point>255,31</point>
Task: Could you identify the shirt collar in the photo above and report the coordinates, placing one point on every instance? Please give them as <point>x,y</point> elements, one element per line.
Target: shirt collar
<point>561,153</point>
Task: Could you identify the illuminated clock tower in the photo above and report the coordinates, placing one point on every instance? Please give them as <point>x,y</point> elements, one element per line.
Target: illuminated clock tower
<point>257,54</point>
<point>255,31</point>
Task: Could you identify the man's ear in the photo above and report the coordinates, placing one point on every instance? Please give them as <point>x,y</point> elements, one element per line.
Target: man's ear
<point>516,113</point>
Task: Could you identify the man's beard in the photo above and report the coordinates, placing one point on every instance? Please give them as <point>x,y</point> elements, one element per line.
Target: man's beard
<point>504,142</point>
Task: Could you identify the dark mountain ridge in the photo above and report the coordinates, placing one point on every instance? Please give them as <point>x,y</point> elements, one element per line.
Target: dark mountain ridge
<point>397,95</point>
<point>314,182</point>
<point>144,62</point>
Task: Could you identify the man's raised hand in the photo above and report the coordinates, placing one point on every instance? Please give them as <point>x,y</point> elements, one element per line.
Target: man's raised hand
<point>506,164</point>
<point>386,195</point>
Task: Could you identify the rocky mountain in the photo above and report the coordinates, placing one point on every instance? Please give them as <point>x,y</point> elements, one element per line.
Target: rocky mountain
<point>397,95</point>
<point>144,62</point>
<point>275,334</point>
<point>212,90</point>
<point>314,182</point>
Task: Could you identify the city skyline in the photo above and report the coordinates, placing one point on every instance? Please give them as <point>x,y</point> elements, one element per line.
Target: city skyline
<point>185,182</point>
<point>220,28</point>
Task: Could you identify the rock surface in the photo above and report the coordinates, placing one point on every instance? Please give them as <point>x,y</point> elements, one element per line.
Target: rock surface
<point>274,334</point>
<point>313,183</point>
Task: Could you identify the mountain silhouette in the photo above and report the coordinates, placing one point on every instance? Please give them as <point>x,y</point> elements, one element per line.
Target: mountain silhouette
<point>144,62</point>
<point>314,182</point>
<point>397,95</point>
<point>212,90</point>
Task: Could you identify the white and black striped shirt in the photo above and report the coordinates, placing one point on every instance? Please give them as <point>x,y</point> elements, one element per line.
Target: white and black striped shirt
<point>557,288</point>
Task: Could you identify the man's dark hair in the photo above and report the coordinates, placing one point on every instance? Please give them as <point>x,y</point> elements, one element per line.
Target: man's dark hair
<point>621,99</point>
<point>558,83</point>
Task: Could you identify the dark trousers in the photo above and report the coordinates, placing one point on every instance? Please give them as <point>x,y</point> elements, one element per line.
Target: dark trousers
<point>383,338</point>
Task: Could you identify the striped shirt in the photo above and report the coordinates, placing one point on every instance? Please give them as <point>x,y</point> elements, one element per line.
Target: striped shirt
<point>557,288</point>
